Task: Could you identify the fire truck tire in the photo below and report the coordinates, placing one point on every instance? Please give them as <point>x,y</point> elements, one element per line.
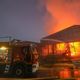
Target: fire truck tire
<point>18,71</point>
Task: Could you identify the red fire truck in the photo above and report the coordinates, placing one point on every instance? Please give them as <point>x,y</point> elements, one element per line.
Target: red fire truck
<point>18,58</point>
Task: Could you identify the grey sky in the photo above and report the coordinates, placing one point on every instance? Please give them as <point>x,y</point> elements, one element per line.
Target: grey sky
<point>21,19</point>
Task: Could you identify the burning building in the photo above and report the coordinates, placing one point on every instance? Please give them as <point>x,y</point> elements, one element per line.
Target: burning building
<point>65,43</point>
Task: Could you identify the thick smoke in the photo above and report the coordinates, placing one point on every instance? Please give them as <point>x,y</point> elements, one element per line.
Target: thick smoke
<point>61,14</point>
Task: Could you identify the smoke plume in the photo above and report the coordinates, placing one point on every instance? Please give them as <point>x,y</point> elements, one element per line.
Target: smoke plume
<point>61,14</point>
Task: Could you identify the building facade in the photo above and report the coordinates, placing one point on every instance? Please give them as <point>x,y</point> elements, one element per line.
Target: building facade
<point>65,43</point>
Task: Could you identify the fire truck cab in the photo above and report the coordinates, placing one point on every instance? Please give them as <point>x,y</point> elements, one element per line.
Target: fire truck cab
<point>18,59</point>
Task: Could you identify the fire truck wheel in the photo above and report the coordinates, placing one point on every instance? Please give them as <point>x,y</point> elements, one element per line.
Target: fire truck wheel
<point>19,71</point>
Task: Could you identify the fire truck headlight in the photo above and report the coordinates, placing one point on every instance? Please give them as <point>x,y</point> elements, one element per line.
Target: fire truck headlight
<point>3,48</point>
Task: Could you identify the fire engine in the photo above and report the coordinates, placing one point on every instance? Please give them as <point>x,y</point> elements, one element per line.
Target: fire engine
<point>18,58</point>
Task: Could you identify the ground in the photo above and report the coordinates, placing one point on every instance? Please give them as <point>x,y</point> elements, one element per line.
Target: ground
<point>46,73</point>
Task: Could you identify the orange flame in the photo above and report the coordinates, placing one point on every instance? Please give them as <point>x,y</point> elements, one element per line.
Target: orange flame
<point>74,48</point>
<point>63,14</point>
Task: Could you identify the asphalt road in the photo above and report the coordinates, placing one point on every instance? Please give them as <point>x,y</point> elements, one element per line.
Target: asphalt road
<point>43,74</point>
<point>47,78</point>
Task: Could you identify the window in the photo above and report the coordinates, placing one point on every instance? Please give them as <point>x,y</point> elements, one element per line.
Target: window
<point>27,53</point>
<point>45,50</point>
<point>60,48</point>
<point>75,48</point>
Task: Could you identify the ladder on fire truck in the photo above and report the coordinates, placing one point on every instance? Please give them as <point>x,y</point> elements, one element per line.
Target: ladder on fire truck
<point>9,39</point>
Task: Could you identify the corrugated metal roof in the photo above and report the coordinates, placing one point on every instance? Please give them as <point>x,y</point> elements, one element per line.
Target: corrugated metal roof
<point>67,35</point>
